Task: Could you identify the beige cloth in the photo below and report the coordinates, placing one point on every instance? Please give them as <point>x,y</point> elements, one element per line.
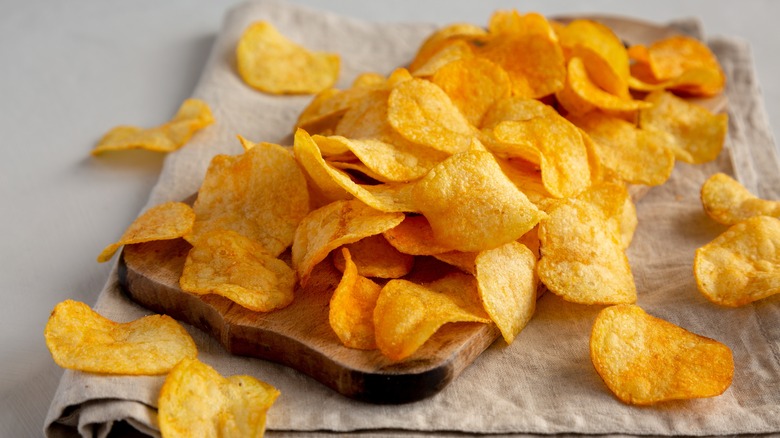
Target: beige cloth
<point>544,382</point>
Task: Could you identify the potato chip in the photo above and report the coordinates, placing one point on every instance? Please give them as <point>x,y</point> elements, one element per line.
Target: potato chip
<point>441,39</point>
<point>408,314</point>
<point>526,177</point>
<point>581,95</point>
<point>615,203</point>
<point>514,108</point>
<point>694,134</point>
<point>261,194</point>
<point>465,261</point>
<point>165,221</point>
<point>511,22</point>
<point>196,400</point>
<point>454,51</point>
<point>727,201</point>
<point>471,205</point>
<point>423,113</point>
<point>673,57</point>
<point>583,260</point>
<point>192,116</point>
<point>741,265</point>
<point>351,310</point>
<point>396,161</point>
<point>333,225</point>
<point>473,85</point>
<point>645,360</point>
<point>415,236</point>
<point>81,339</point>
<point>604,56</point>
<point>375,257</point>
<point>553,143</point>
<point>226,263</point>
<point>268,61</point>
<point>331,183</point>
<point>506,280</point>
<point>624,150</point>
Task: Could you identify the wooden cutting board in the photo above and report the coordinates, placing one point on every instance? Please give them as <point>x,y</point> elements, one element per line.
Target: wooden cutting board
<point>299,335</point>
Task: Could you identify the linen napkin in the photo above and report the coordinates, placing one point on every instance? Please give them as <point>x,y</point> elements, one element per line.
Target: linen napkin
<point>541,384</point>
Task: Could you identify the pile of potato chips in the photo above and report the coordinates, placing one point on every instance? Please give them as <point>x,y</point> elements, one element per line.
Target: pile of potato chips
<point>501,160</point>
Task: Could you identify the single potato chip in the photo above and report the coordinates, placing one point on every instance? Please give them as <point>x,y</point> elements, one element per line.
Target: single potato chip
<point>261,194</point>
<point>226,263</point>
<point>443,38</point>
<point>415,236</point>
<point>351,310</point>
<point>741,265</point>
<point>671,58</point>
<point>408,314</point>
<point>81,339</point>
<point>506,280</point>
<point>473,85</point>
<point>268,61</point>
<point>581,95</point>
<point>375,257</point>
<point>196,400</point>
<point>645,360</point>
<point>583,258</point>
<point>165,221</point>
<point>727,201</point>
<point>333,225</point>
<point>694,134</point>
<point>192,116</point>
<point>471,205</point>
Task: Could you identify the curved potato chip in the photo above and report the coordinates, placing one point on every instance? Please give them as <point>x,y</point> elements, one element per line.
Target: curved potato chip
<point>583,260</point>
<point>511,22</point>
<point>506,279</point>
<point>615,203</point>
<point>261,194</point>
<point>694,134</point>
<point>375,257</point>
<point>333,225</point>
<point>196,400</point>
<point>465,261</point>
<point>351,309</point>
<point>441,39</point>
<point>581,95</point>
<point>269,62</point>
<point>625,150</point>
<point>407,314</point>
<point>515,108</point>
<point>645,360</point>
<point>166,221</point>
<point>81,339</point>
<point>473,85</point>
<point>672,57</point>
<point>424,114</point>
<point>192,116</point>
<point>453,51</point>
<point>471,205</point>
<point>414,236</point>
<point>741,265</point>
<point>225,263</point>
<point>727,201</point>
<point>552,142</point>
<point>526,177</point>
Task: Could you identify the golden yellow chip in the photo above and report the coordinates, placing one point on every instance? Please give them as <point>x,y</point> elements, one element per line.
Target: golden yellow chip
<point>81,339</point>
<point>441,39</point>
<point>581,95</point>
<point>614,201</point>
<point>645,360</point>
<point>626,151</point>
<point>692,131</point>
<point>408,314</point>
<point>471,205</point>
<point>473,85</point>
<point>741,265</point>
<point>453,51</point>
<point>261,194</point>
<point>423,113</point>
<point>506,279</point>
<point>268,61</point>
<point>514,108</point>
<point>193,115</point>
<point>166,221</point>
<point>375,257</point>
<point>351,309</point>
<point>414,236</point>
<point>553,143</point>
<point>673,57</point>
<point>527,177</point>
<point>333,225</point>
<point>583,258</point>
<point>225,263</point>
<point>727,201</point>
<point>196,400</point>
<point>465,261</point>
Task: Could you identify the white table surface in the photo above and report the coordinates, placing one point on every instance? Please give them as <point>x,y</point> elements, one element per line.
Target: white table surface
<point>71,70</point>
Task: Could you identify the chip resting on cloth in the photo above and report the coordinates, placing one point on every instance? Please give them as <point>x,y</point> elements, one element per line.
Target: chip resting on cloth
<point>646,360</point>
<point>727,201</point>
<point>81,339</point>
